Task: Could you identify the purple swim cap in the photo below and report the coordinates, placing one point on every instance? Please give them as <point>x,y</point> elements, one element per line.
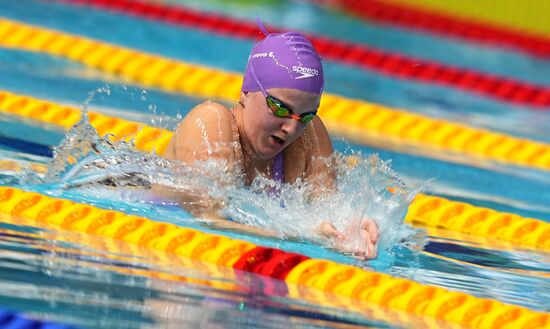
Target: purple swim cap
<point>283,60</point>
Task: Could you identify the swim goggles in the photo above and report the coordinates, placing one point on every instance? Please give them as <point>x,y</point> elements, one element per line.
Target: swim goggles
<point>280,109</point>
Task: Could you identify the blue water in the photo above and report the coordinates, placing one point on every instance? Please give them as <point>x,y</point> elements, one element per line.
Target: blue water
<point>94,283</point>
<point>427,99</point>
<point>303,16</point>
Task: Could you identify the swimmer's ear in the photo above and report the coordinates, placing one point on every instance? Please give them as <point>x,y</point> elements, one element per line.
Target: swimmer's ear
<point>243,97</point>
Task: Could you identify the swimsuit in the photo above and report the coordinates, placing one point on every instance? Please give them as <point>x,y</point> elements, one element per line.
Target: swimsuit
<point>278,167</point>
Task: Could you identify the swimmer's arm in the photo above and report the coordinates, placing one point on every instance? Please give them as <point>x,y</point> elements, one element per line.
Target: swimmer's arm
<point>205,133</point>
<point>208,213</point>
<point>224,224</point>
<point>218,222</point>
<point>196,139</point>
<point>324,234</point>
<point>320,171</point>
<point>321,174</point>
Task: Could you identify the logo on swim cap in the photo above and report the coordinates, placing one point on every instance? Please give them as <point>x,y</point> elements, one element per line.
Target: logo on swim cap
<point>306,72</point>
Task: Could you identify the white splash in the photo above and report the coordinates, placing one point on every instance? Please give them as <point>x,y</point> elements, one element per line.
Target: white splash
<point>366,189</point>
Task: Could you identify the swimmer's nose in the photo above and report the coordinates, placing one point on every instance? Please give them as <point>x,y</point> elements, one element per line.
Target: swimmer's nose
<point>292,127</point>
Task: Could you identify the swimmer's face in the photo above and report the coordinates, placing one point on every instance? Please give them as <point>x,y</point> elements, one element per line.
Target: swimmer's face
<point>269,134</point>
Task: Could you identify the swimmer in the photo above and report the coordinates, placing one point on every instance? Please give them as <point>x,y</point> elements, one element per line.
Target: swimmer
<point>275,127</point>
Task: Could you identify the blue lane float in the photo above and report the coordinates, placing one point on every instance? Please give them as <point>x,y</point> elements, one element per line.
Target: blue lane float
<point>13,320</point>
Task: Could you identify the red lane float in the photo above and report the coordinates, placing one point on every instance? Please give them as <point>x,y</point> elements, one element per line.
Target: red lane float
<point>391,64</point>
<point>443,24</point>
<point>299,272</point>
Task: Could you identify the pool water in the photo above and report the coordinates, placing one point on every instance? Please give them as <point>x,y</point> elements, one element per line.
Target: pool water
<point>94,282</point>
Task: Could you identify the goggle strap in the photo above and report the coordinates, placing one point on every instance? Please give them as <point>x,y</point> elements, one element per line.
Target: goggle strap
<point>261,26</point>
<point>264,92</point>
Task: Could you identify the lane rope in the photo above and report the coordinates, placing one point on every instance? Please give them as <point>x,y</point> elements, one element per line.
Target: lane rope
<point>432,211</point>
<point>445,21</point>
<point>526,17</point>
<point>14,320</point>
<point>146,138</point>
<point>392,64</point>
<point>349,281</point>
<point>357,120</point>
<point>424,210</point>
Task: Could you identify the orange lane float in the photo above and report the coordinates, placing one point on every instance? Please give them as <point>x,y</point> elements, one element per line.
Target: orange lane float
<point>377,288</point>
<point>358,120</point>
<point>439,212</point>
<point>425,210</point>
<point>367,57</point>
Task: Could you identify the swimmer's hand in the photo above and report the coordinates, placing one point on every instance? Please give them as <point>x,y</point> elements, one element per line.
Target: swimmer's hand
<point>365,248</point>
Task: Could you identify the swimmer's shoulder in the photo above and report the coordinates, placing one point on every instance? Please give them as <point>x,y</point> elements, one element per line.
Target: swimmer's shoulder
<point>209,112</point>
<point>207,124</point>
<point>315,140</point>
<point>301,156</point>
<point>211,119</point>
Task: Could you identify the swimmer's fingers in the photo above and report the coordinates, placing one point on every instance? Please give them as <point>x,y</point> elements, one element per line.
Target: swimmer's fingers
<point>369,252</point>
<point>369,237</point>
<point>371,227</point>
<point>368,245</point>
<point>328,231</point>
<point>372,251</point>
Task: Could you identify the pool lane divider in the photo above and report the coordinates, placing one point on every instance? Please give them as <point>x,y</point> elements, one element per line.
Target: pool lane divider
<point>391,64</point>
<point>528,16</point>
<point>432,211</point>
<point>19,145</point>
<point>13,320</point>
<point>296,270</point>
<point>166,268</point>
<point>425,210</point>
<point>358,120</point>
<point>145,138</point>
<point>407,14</point>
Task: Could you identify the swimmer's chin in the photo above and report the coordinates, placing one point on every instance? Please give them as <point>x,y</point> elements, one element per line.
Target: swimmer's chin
<point>267,155</point>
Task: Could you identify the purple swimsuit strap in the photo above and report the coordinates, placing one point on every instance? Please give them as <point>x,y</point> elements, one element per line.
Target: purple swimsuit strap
<point>278,167</point>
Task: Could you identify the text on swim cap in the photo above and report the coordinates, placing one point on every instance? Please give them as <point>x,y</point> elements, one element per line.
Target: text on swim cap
<point>270,54</point>
<point>306,72</point>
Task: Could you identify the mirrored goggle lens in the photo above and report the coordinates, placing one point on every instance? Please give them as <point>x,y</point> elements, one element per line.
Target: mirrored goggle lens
<point>307,117</point>
<point>282,111</point>
<point>277,108</point>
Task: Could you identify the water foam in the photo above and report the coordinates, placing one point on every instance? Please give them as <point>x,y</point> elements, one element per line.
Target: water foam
<point>366,188</point>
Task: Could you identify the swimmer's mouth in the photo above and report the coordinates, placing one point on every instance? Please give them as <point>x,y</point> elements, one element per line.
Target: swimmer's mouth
<point>278,140</point>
